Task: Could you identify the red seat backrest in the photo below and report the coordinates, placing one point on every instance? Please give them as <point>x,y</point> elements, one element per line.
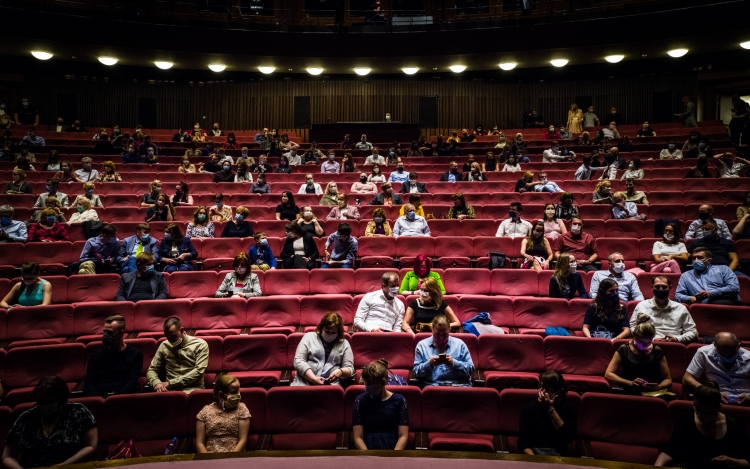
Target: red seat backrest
<point>313,308</point>
<point>39,322</point>
<point>280,310</point>
<point>287,282</point>
<point>88,318</point>
<point>149,316</point>
<point>331,281</point>
<point>132,416</point>
<point>712,319</point>
<point>540,313</point>
<point>460,410</point>
<point>305,409</point>
<point>63,360</point>
<point>515,282</point>
<point>218,313</point>
<point>577,355</point>
<point>396,347</point>
<point>259,352</point>
<point>97,287</point>
<point>621,419</point>
<point>367,280</point>
<point>511,352</point>
<point>377,246</point>
<point>467,281</point>
<point>193,284</point>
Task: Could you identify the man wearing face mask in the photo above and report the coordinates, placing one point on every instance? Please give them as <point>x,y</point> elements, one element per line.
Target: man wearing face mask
<point>99,252</point>
<point>730,166</point>
<point>580,245</point>
<point>145,283</point>
<point>381,310</point>
<point>364,187</point>
<point>131,156</point>
<point>11,230</point>
<point>363,144</point>
<point>344,249</point>
<point>411,224</point>
<point>552,154</point>
<point>514,226</point>
<point>26,114</point>
<point>115,368</point>
<point>545,185</point>
<point>226,174</point>
<point>628,284</point>
<point>216,131</point>
<point>375,158</point>
<point>131,246</point>
<point>706,214</point>
<point>672,320</point>
<point>632,195</point>
<point>707,283</point>
<point>453,174</point>
<point>551,134</point>
<point>182,358</point>
<point>387,197</point>
<point>724,251</point>
<point>310,187</point>
<point>86,173</point>
<point>725,363</point>
<point>330,166</point>
<point>51,188</point>
<point>590,119</point>
<point>399,175</point>
<point>412,186</point>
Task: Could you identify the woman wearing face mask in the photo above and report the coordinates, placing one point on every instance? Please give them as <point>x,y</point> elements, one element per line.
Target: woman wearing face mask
<point>606,317</point>
<point>460,210</point>
<point>223,425</point>
<point>379,225</point>
<point>243,175</point>
<point>706,437</point>
<point>219,212</point>
<point>423,310</point>
<point>324,356</point>
<point>347,164</point>
<point>177,251</point>
<point>182,194</point>
<point>284,167</point>
<point>566,281</point>
<point>241,283</point>
<point>260,186</point>
<point>700,170</point>
<point>669,251</point>
<point>672,152</point>
<point>31,291</point>
<point>535,249</point>
<point>413,280</point>
<point>644,366</point>
<point>51,203</point>
<point>18,185</point>
<point>109,173</point>
<point>53,162</point>
<point>376,175</point>
<point>48,228</point>
<point>414,149</point>
<point>162,210</point>
<point>240,227</point>
<point>490,163</point>
<point>200,226</point>
<point>300,250</point>
<point>634,170</point>
<point>88,193</point>
<point>231,143</point>
<point>310,186</point>
<point>548,425</point>
<point>553,226</point>
<point>309,222</point>
<point>501,140</point>
<point>84,212</point>
<point>380,418</point>
<point>511,164</point>
<point>287,209</point>
<point>329,198</point>
<point>65,174</point>
<point>624,210</point>
<point>692,142</point>
<point>475,174</point>
<point>287,145</point>
<point>154,189</point>
<point>53,432</point>
<point>602,193</point>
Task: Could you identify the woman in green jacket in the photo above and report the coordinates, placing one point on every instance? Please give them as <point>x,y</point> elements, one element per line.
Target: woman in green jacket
<point>413,280</point>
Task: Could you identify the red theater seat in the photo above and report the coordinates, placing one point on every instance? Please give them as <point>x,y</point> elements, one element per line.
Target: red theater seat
<point>149,316</point>
<point>88,318</point>
<point>500,309</point>
<point>146,346</point>
<point>534,315</point>
<point>218,316</point>
<point>412,245</point>
<point>511,361</point>
<point>97,287</point>
<point>305,418</point>
<point>273,315</point>
<point>712,319</point>
<point>467,281</point>
<point>253,398</point>
<point>331,281</point>
<point>39,325</point>
<point>581,360</point>
<point>376,246</point>
<point>367,280</point>
<point>514,282</point>
<point>193,284</point>
<point>475,228</point>
<point>396,347</point>
<point>287,282</point>
<point>624,228</point>
<point>255,360</point>
<point>313,308</point>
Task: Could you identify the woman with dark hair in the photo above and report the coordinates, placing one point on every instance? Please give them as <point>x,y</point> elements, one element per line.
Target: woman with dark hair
<point>706,437</point>
<point>347,163</point>
<point>606,317</point>
<point>460,210</point>
<point>200,226</point>
<point>414,149</point>
<point>243,175</point>
<point>287,209</point>
<point>347,144</point>
<point>535,249</point>
<point>669,251</point>
<point>412,282</point>
<point>548,426</point>
<point>163,210</point>
<point>223,425</point>
<point>700,170</point>
<point>324,356</point>
<point>231,143</point>
<point>53,432</point>
<point>634,170</point>
<point>553,225</point>
<point>379,225</point>
<point>241,283</point>
<point>176,251</point>
<point>284,167</point>
<point>300,250</point>
<point>31,291</point>
<point>182,194</point>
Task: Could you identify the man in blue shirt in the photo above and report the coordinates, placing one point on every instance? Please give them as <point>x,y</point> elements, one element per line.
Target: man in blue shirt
<point>706,283</point>
<point>10,229</point>
<point>627,283</point>
<point>442,360</point>
<point>134,245</point>
<point>261,256</point>
<point>399,175</point>
<point>345,248</point>
<point>99,251</point>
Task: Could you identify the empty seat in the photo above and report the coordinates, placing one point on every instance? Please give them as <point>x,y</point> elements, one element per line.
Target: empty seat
<point>256,360</point>
<point>305,418</point>
<point>534,315</point>
<point>467,281</point>
<point>581,360</point>
<point>413,245</point>
<point>97,287</point>
<point>376,246</point>
<point>39,325</point>
<point>712,319</point>
<point>624,228</point>
<point>313,308</point>
<point>149,316</point>
<point>218,316</point>
<point>287,282</point>
<point>475,228</point>
<point>500,309</point>
<point>511,361</point>
<point>397,348</point>
<point>253,398</point>
<point>515,282</point>
<point>193,284</point>
<point>331,281</point>
<point>273,315</point>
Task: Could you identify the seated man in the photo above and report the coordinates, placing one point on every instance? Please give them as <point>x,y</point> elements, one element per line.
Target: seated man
<point>730,166</point>
<point>706,213</point>
<point>345,248</point>
<point>363,187</point>
<point>724,251</point>
<point>725,363</point>
<point>387,197</point>
<point>672,320</point>
<point>584,172</point>
<point>514,226</point>
<point>452,175</point>
<point>411,186</point>
<point>99,252</point>
<point>11,230</point>
<point>143,284</point>
<point>546,185</point>
<point>136,244</point>
<point>628,283</point>
<point>86,173</point>
<point>181,358</point>
<point>582,246</point>
<point>363,144</point>
<point>553,154</point>
<point>115,368</point>
<point>399,175</point>
<point>331,166</point>
<point>31,138</point>
<point>632,195</point>
<point>550,134</point>
<point>706,283</point>
<point>213,166</point>
<point>410,224</point>
<point>381,310</point>
<point>375,158</point>
<point>52,185</point>
<point>442,360</point>
<point>623,210</point>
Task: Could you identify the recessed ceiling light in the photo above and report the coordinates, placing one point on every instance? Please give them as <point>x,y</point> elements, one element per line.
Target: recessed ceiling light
<point>266,70</point>
<point>217,67</point>
<point>163,65</point>
<point>677,52</point>
<point>559,62</point>
<point>457,68</point>
<point>314,70</point>
<point>613,59</point>
<point>745,45</point>
<point>362,71</point>
<point>41,55</point>
<point>410,70</point>
<point>508,65</point>
<point>108,60</point>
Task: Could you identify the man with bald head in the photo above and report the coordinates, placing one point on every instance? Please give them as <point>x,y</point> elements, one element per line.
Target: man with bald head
<point>725,363</point>
<point>706,214</point>
<point>410,224</point>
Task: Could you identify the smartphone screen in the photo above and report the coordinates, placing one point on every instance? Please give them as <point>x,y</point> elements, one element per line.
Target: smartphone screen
<point>441,356</point>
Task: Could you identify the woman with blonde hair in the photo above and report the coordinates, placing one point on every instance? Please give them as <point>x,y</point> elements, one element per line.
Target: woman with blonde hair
<point>565,282</point>
<point>149,199</point>
<point>602,192</point>
<point>575,117</point>
<point>241,283</point>
<point>51,203</point>
<point>423,310</point>
<point>84,211</point>
<point>48,228</point>
<point>324,357</point>
<point>88,193</point>
<point>185,166</point>
<point>240,226</point>
<point>379,225</point>
<point>18,185</point>
<point>109,173</point>
<point>223,425</point>
<point>330,196</point>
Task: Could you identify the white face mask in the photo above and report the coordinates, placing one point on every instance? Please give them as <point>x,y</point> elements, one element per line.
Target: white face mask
<point>669,237</point>
<point>618,268</point>
<point>575,229</point>
<point>308,214</point>
<point>572,267</point>
<point>424,294</point>
<point>550,212</point>
<point>393,291</point>
<point>328,338</point>
<point>241,270</point>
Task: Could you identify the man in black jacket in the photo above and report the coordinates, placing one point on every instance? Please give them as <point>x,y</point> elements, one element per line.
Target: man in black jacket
<point>143,284</point>
<point>452,175</point>
<point>387,193</point>
<point>115,368</point>
<point>406,188</point>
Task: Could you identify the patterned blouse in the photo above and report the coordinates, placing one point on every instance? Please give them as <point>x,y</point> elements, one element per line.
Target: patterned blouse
<point>467,210</point>
<point>222,427</point>
<point>197,231</point>
<point>106,177</point>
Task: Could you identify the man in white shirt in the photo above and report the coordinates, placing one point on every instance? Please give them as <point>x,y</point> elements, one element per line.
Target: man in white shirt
<point>672,320</point>
<point>514,226</point>
<point>552,154</point>
<point>730,166</point>
<point>627,283</point>
<point>410,224</point>
<point>724,363</point>
<point>611,132</point>
<point>86,174</point>
<point>399,175</point>
<point>381,310</point>
<point>671,153</point>
<point>375,158</point>
<point>583,173</point>
<point>545,185</point>
<point>364,144</point>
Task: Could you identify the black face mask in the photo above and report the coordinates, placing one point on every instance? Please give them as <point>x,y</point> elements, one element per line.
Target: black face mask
<point>703,216</point>
<point>108,339</point>
<point>363,180</point>
<point>661,294</point>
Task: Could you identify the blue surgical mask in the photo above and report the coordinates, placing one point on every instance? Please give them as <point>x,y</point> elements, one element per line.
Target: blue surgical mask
<point>239,217</point>
<point>263,242</point>
<point>731,359</point>
<point>48,187</point>
<point>51,220</point>
<point>411,215</point>
<point>5,221</point>
<point>145,238</point>
<point>90,191</point>
<point>226,169</point>
<point>150,268</point>
<point>699,266</point>
<point>219,204</point>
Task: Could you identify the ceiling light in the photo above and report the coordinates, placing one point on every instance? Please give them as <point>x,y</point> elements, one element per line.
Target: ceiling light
<point>410,70</point>
<point>108,60</point>
<point>677,52</point>
<point>41,55</point>
<point>613,59</point>
<point>266,70</point>
<point>314,70</point>
<point>362,71</point>
<point>508,65</point>
<point>744,45</point>
<point>559,62</point>
<point>457,68</point>
<point>163,65</point>
<point>217,67</point>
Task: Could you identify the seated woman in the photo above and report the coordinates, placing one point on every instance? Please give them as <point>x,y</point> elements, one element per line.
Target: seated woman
<point>705,437</point>
<point>700,170</point>
<point>231,143</point>
<point>634,170</point>
<point>309,222</point>
<point>287,209</point>
<point>376,175</point>
<point>412,282</point>
<point>260,186</point>
<point>223,425</point>
<point>566,281</point>
<point>379,225</point>
<point>48,228</point>
<point>241,283</point>
<point>475,173</point>
<point>200,227</point>
<point>88,192</point>
<point>18,185</point>
<point>624,210</point>
<point>380,418</point>
<point>284,167</point>
<point>442,360</point>
<point>553,226</point>
<point>511,164</point>
<point>148,200</point>
<point>602,193</point>
<point>300,250</point>
<point>66,173</point>
<point>639,366</point>
<point>84,212</point>
<point>416,200</point>
<point>162,210</point>
<point>422,310</point>
<point>240,227</point>
<point>144,283</point>
<point>31,291</point>
<point>329,196</point>
<point>53,203</point>
<point>460,210</point>
<point>182,194</point>
<point>243,174</point>
<point>176,251</point>
<point>535,249</point>
<point>490,163</point>
<point>347,163</point>
<point>668,251</point>
<point>53,161</point>
<point>548,426</point>
<point>186,166</point>
<point>565,210</point>
<point>324,356</point>
<point>526,184</point>
<point>53,432</point>
<point>606,317</point>
<point>219,212</point>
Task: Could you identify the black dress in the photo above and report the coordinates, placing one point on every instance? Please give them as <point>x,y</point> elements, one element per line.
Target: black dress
<point>637,366</point>
<point>426,314</point>
<point>535,429</point>
<point>288,212</point>
<point>611,322</point>
<point>380,419</point>
<point>231,230</point>
<point>690,446</point>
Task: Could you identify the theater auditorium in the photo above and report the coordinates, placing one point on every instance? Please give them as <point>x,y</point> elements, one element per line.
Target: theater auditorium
<point>279,232</point>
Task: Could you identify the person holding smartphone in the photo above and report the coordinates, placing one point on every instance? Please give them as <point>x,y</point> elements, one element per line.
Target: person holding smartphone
<point>442,360</point>
<point>324,356</point>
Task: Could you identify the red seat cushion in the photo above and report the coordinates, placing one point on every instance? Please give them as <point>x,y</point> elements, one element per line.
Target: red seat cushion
<point>303,441</point>
<point>478,442</point>
<point>511,379</point>
<point>265,379</point>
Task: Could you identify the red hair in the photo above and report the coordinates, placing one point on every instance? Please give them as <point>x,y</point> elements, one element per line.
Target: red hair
<point>422,258</point>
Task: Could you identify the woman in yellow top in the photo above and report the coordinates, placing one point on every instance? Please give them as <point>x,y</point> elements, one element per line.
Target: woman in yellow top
<point>413,280</point>
<point>379,225</point>
<point>416,201</point>
<point>575,117</point>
